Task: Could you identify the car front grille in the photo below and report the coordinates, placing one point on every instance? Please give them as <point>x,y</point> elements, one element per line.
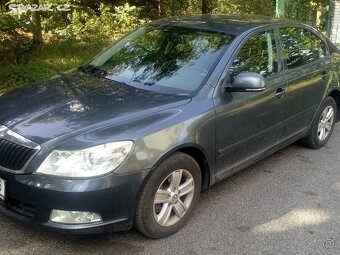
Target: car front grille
<point>14,156</point>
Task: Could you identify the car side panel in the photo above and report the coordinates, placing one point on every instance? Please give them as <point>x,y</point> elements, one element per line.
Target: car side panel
<point>306,88</point>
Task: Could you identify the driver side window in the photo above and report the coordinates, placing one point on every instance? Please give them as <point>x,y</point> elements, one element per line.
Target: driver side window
<point>258,54</point>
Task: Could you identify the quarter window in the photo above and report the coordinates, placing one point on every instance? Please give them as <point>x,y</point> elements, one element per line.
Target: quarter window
<point>258,54</point>
<point>301,46</point>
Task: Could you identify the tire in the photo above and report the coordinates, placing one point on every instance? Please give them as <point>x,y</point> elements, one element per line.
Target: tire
<point>150,216</point>
<point>315,139</point>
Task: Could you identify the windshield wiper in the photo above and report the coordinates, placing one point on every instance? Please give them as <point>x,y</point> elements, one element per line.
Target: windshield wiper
<point>92,70</point>
<point>144,83</point>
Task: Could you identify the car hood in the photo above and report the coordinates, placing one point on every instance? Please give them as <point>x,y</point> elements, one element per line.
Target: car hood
<point>76,103</point>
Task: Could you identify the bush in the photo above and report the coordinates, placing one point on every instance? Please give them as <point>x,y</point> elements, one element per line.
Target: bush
<point>14,39</point>
<point>110,22</point>
<point>49,60</point>
<point>79,36</point>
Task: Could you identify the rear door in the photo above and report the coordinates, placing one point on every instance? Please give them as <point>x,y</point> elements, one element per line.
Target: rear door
<point>307,71</point>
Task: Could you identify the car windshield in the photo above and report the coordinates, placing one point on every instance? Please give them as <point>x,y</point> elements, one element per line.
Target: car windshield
<point>165,58</point>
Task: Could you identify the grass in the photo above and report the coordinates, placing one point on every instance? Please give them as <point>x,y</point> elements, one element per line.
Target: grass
<point>48,60</point>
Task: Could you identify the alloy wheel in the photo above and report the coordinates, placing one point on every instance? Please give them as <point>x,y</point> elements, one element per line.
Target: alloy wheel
<point>326,123</point>
<point>173,197</point>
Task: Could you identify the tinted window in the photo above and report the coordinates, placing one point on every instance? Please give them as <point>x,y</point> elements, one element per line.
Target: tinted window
<point>258,54</point>
<point>173,58</point>
<point>301,46</point>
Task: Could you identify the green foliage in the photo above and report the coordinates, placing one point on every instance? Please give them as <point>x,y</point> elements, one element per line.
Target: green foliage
<point>261,7</point>
<point>71,38</point>
<point>49,60</point>
<point>13,38</point>
<point>110,22</point>
<point>304,10</point>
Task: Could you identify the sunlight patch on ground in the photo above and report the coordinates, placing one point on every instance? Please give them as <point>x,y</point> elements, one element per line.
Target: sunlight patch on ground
<point>335,186</point>
<point>292,220</point>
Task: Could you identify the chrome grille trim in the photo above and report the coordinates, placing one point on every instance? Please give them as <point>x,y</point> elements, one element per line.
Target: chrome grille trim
<point>9,135</point>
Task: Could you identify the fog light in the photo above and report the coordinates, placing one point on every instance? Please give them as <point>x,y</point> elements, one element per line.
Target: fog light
<point>74,217</point>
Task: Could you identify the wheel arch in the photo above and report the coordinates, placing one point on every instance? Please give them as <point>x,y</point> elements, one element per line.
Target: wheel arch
<point>335,94</point>
<point>199,155</point>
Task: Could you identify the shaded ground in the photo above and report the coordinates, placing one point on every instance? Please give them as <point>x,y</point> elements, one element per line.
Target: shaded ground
<point>288,203</point>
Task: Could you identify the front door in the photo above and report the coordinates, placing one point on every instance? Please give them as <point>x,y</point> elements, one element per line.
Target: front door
<point>249,123</point>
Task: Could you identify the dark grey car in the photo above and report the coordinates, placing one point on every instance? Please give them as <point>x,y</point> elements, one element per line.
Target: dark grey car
<point>134,136</point>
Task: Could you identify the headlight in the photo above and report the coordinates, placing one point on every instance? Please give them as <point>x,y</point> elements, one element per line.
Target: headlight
<point>89,162</point>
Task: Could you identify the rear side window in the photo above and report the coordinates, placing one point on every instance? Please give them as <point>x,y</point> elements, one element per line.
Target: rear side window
<point>258,54</point>
<point>301,46</point>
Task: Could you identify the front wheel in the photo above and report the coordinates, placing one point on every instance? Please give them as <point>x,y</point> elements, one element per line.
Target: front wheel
<point>168,197</point>
<point>323,125</point>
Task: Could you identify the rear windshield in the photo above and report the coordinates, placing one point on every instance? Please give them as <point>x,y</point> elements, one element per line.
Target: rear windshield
<point>172,59</point>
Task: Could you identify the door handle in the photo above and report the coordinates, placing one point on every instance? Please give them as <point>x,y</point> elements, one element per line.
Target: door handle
<point>280,92</point>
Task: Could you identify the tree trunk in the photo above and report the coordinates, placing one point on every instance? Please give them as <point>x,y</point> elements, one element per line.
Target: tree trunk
<point>159,8</point>
<point>280,8</point>
<point>2,6</point>
<point>36,20</point>
<point>207,6</point>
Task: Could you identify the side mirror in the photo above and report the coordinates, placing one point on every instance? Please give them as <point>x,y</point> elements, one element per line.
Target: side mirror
<point>247,82</point>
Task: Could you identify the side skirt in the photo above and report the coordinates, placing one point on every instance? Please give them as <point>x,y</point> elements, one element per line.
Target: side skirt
<point>263,155</point>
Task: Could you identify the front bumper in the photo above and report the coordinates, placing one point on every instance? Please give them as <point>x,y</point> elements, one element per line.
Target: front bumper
<point>30,198</point>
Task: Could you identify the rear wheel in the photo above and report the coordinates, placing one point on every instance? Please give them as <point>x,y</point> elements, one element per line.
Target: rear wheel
<point>323,125</point>
<point>169,196</point>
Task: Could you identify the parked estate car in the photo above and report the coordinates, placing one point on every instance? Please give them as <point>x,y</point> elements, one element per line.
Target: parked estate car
<point>132,137</point>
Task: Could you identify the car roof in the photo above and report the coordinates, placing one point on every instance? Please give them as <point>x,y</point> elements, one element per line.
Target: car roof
<point>234,24</point>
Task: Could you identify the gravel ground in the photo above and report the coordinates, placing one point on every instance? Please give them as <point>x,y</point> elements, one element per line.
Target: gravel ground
<point>288,203</point>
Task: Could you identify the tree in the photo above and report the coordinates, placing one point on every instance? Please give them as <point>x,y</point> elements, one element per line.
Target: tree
<point>280,8</point>
<point>36,20</point>
<point>207,6</point>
